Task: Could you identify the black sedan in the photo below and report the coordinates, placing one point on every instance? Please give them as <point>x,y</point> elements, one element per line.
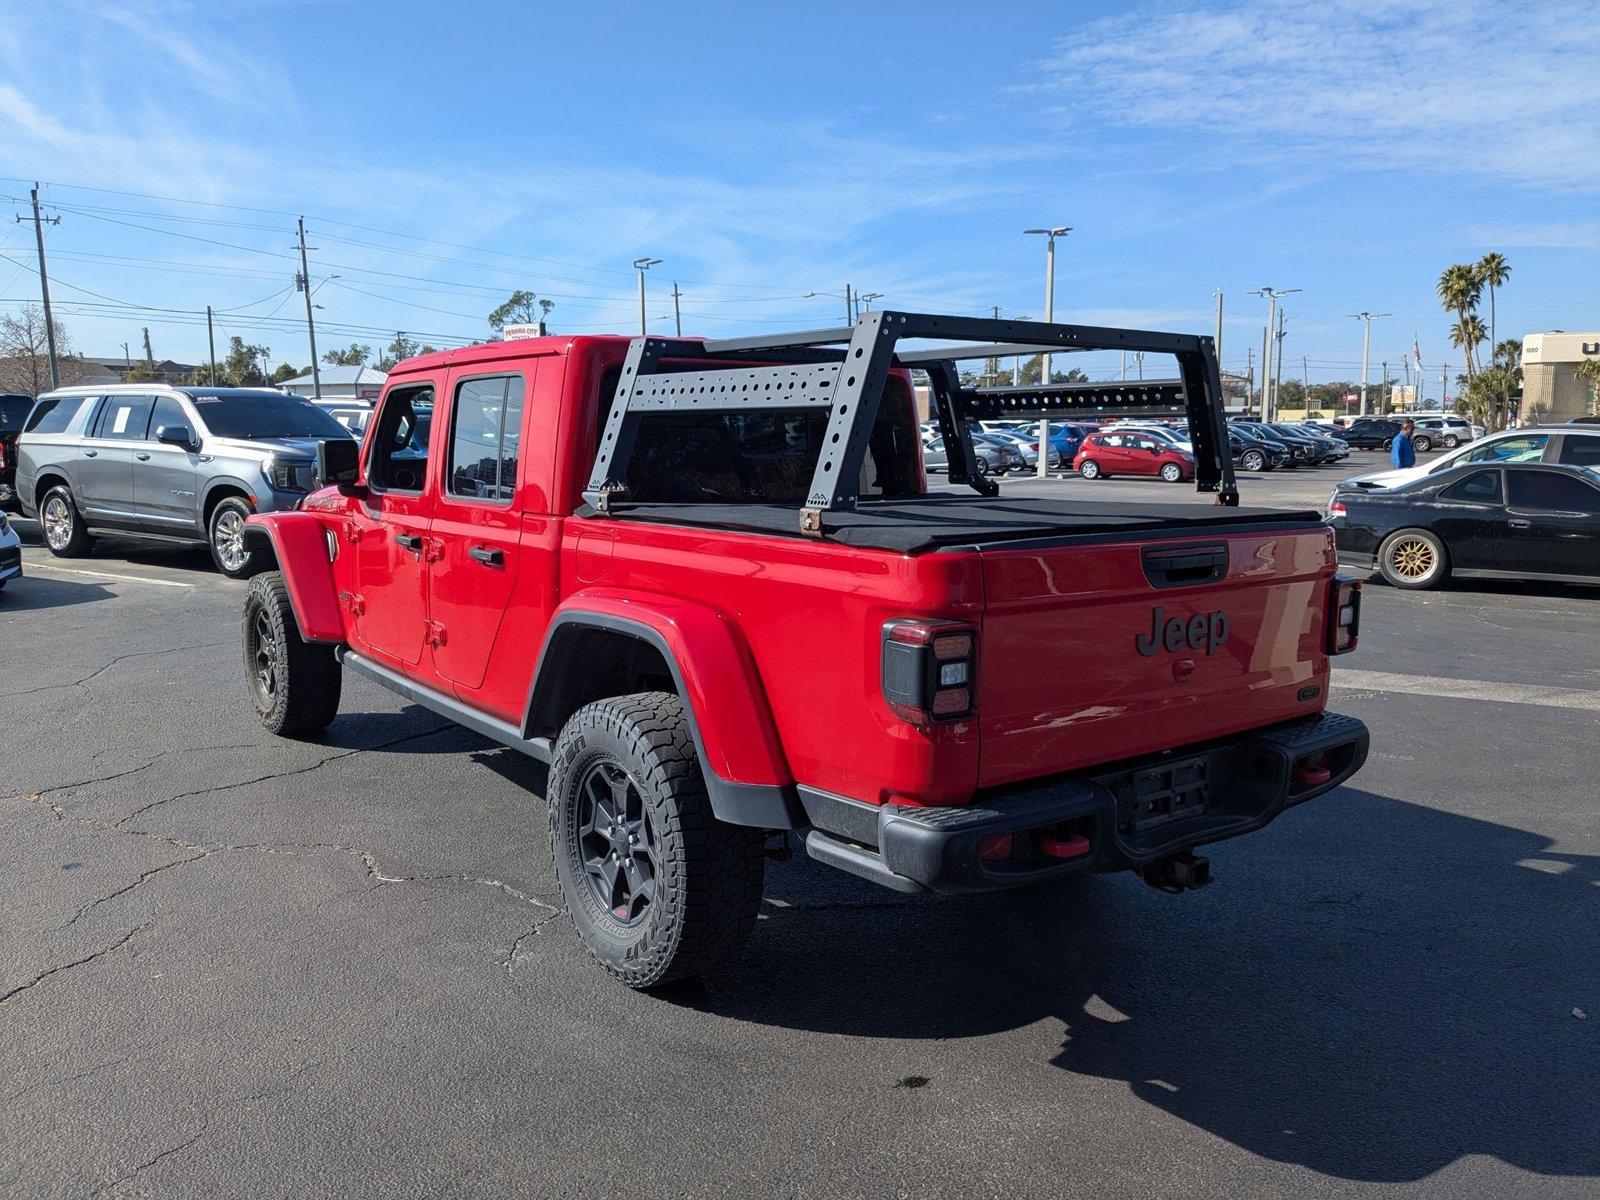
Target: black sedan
<point>1371,433</point>
<point>1480,520</point>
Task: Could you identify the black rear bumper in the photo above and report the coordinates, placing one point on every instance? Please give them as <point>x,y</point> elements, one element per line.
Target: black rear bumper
<point>1130,817</point>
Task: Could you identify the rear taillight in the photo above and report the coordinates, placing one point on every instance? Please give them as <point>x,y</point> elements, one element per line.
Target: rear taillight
<point>1336,508</point>
<point>1344,615</point>
<point>929,670</point>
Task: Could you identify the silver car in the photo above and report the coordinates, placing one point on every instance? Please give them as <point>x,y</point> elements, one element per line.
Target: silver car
<point>10,553</point>
<point>183,464</point>
<point>1446,430</point>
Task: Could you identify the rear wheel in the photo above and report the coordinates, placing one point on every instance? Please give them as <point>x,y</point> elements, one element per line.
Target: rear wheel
<point>295,683</point>
<point>1254,460</point>
<point>1423,442</point>
<point>656,886</point>
<point>1413,559</point>
<point>64,533</point>
<point>1451,441</point>
<point>1089,469</point>
<point>1172,473</point>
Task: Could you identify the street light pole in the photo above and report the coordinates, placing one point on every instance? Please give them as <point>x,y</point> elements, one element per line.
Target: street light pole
<point>1267,399</point>
<point>642,265</point>
<point>1366,319</point>
<point>1050,235</point>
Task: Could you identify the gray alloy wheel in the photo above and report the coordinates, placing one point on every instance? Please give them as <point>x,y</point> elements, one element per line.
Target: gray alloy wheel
<point>228,550</point>
<point>1451,441</point>
<point>1172,473</point>
<point>1423,442</point>
<point>1254,460</point>
<point>1089,469</point>
<point>64,534</point>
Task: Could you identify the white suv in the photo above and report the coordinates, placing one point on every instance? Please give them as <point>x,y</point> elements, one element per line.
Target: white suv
<point>1447,430</point>
<point>1574,445</point>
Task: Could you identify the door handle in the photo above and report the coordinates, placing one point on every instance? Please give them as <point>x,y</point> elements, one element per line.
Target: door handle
<point>91,453</point>
<point>488,556</point>
<point>142,456</point>
<point>1515,524</point>
<point>411,541</point>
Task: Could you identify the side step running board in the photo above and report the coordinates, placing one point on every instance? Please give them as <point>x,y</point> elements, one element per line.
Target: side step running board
<point>857,860</point>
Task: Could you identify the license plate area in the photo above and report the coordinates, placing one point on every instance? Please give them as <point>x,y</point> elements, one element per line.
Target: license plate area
<point>1150,798</point>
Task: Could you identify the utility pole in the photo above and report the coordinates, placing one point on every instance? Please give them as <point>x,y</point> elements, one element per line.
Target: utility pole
<point>1050,236</point>
<point>1217,345</point>
<point>642,265</point>
<point>677,312</point>
<point>311,325</point>
<point>211,345</point>
<point>44,282</point>
<point>849,306</point>
<point>1249,376</point>
<point>864,301</point>
<point>1277,377</point>
<point>1366,319</point>
<point>127,359</point>
<point>1305,383</point>
<point>149,355</point>
<point>1272,294</point>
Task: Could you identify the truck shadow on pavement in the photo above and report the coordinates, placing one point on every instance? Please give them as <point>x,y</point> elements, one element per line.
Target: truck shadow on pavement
<point>33,592</point>
<point>1373,989</point>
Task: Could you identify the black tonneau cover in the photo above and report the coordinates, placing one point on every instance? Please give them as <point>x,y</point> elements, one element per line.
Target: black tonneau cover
<point>932,522</point>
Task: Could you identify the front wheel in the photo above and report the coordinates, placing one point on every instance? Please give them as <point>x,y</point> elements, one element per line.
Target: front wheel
<point>295,683</point>
<point>64,532</point>
<point>1254,460</point>
<point>1089,469</point>
<point>1413,559</point>
<point>1172,473</point>
<point>226,536</point>
<point>656,886</point>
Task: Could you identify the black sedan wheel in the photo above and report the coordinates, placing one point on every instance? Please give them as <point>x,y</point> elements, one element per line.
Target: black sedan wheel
<point>1413,559</point>
<point>1254,460</point>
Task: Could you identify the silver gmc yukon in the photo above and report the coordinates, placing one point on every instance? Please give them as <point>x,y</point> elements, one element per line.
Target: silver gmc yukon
<point>172,463</point>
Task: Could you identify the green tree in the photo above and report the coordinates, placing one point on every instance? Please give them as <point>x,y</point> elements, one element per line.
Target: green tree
<point>1459,289</point>
<point>240,366</point>
<point>144,372</point>
<point>1466,334</point>
<point>1493,270</point>
<point>1588,371</point>
<point>285,371</point>
<point>355,356</point>
<point>523,308</point>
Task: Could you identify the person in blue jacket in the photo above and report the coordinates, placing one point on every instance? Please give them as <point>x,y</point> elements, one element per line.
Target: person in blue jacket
<point>1402,453</point>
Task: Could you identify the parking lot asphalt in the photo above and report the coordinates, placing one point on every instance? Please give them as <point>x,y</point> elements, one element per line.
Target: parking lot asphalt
<point>234,965</point>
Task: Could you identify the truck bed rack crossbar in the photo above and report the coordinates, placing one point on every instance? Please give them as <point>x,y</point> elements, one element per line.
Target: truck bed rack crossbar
<point>844,371</point>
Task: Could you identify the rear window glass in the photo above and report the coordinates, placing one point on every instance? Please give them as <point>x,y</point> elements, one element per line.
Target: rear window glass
<point>54,413</point>
<point>766,455</point>
<point>13,411</point>
<point>1580,451</point>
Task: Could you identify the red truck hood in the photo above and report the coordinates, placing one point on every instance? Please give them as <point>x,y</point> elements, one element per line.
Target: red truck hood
<point>1089,656</point>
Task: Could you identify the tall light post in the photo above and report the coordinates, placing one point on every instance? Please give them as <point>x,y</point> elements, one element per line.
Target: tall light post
<point>1050,235</point>
<point>642,265</point>
<point>1366,320</point>
<point>1272,295</point>
<point>864,301</point>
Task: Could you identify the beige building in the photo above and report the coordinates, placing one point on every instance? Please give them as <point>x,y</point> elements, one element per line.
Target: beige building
<point>1551,390</point>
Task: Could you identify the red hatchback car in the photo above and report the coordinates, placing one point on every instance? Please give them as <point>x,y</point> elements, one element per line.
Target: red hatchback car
<point>1129,452</point>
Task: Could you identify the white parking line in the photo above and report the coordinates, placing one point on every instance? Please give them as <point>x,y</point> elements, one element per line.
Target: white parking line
<point>1466,689</point>
<point>41,566</point>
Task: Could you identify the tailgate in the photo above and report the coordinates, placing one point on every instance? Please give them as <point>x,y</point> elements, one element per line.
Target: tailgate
<point>1093,652</point>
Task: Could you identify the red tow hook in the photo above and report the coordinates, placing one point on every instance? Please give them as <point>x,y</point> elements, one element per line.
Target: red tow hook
<point>1313,771</point>
<point>1070,846</point>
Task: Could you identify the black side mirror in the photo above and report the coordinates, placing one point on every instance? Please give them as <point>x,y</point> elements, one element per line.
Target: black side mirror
<point>177,435</point>
<point>338,461</point>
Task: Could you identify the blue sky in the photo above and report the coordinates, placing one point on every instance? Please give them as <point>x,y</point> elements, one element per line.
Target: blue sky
<point>446,154</point>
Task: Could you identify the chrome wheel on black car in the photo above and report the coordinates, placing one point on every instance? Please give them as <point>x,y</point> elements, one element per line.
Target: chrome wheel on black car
<point>1254,460</point>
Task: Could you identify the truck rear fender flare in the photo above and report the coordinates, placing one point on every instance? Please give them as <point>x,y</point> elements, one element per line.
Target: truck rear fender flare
<point>746,774</point>
<point>297,545</point>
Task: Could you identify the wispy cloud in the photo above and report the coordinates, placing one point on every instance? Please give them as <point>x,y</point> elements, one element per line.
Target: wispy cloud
<point>1499,89</point>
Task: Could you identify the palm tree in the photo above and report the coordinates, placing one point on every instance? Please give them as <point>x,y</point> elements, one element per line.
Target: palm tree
<point>1459,288</point>
<point>1589,372</point>
<point>1465,334</point>
<point>1494,270</point>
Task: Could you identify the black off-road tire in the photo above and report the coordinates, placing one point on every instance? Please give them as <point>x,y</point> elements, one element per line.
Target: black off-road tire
<point>295,683</point>
<point>225,536</point>
<point>706,885</point>
<point>77,541</point>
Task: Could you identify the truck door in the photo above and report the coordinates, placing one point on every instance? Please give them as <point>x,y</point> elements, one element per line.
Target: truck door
<point>164,477</point>
<point>105,469</point>
<point>477,521</point>
<point>388,530</point>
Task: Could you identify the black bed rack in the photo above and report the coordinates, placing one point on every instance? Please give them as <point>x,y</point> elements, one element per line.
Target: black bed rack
<point>843,371</point>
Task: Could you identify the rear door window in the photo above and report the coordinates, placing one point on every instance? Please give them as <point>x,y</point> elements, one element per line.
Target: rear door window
<point>124,418</point>
<point>1580,451</point>
<point>1547,490</point>
<point>485,432</point>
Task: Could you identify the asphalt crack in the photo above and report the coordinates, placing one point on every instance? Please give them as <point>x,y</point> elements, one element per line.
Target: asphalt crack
<point>123,891</point>
<point>84,961</point>
<point>205,1125</point>
<point>71,683</point>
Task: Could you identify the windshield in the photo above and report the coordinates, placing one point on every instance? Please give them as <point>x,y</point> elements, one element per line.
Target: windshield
<point>265,415</point>
<point>13,411</point>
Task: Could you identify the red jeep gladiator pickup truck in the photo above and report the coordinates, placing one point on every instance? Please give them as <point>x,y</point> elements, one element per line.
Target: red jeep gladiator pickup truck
<point>705,581</point>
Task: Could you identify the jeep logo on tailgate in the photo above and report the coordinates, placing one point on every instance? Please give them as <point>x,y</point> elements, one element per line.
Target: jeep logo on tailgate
<point>1203,631</point>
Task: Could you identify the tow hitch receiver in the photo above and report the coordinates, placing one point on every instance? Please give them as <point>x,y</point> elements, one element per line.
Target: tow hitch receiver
<point>1180,873</point>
